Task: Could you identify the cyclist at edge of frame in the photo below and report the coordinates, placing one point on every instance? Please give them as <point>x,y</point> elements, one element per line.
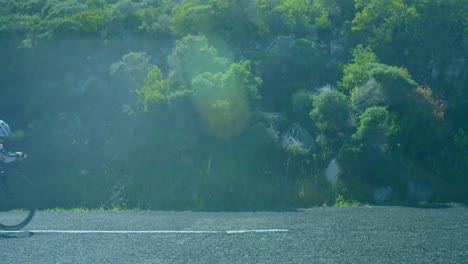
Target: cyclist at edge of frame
<point>5,156</point>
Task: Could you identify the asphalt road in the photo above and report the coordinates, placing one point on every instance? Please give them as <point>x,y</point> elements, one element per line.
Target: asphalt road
<point>317,235</point>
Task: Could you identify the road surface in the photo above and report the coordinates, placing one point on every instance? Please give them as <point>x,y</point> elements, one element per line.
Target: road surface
<point>317,235</point>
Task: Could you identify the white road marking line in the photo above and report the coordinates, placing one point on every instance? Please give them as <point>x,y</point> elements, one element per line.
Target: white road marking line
<point>145,231</point>
<point>256,231</point>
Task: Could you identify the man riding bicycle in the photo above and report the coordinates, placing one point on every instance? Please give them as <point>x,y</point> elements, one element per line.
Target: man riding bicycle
<point>6,156</point>
<point>14,191</point>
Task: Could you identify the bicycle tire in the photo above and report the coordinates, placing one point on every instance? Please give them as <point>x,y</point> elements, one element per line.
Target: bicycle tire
<point>17,202</point>
<point>20,225</point>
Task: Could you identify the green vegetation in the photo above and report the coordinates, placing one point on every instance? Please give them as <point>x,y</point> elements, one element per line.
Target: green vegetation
<point>342,202</point>
<point>159,104</point>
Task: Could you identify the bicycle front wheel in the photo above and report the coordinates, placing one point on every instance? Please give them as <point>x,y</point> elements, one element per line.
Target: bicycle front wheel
<point>17,202</point>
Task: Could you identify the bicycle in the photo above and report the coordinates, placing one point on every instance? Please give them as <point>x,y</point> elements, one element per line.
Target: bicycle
<point>17,201</point>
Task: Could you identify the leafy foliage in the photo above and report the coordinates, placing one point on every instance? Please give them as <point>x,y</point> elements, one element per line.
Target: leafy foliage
<point>331,114</point>
<point>91,20</point>
<point>155,89</point>
<point>133,65</point>
<point>373,126</point>
<point>299,15</point>
<point>55,9</point>
<point>302,101</point>
<point>331,111</point>
<point>193,56</point>
<point>216,103</point>
<point>290,64</point>
<point>357,73</point>
<point>223,99</point>
<point>381,18</point>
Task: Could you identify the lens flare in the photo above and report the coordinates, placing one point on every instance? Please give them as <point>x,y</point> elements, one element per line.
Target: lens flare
<point>224,112</point>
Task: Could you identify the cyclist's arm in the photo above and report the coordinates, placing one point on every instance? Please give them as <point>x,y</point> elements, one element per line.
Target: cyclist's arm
<point>7,157</point>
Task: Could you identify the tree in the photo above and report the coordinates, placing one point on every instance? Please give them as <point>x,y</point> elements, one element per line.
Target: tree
<point>365,160</point>
<point>296,14</point>
<point>380,18</point>
<point>224,100</point>
<point>289,65</point>
<point>302,102</point>
<point>193,56</point>
<point>299,16</point>
<point>382,85</point>
<point>331,111</point>
<point>236,22</point>
<point>59,9</point>
<point>400,131</point>
<point>131,70</point>
<point>373,126</point>
<point>331,114</point>
<point>191,17</point>
<point>91,20</point>
<point>155,90</point>
<point>357,73</point>
<point>239,76</point>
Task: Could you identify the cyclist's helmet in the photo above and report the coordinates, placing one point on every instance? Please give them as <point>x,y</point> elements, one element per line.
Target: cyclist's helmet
<point>4,129</point>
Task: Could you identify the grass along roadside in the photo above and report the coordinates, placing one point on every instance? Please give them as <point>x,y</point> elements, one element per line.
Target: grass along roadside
<point>342,202</point>
<point>102,208</point>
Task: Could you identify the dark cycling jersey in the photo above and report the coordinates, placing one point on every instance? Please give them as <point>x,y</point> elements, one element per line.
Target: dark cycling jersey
<point>7,156</point>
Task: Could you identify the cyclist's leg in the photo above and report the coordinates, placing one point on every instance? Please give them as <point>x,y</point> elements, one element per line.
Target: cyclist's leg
<point>3,185</point>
